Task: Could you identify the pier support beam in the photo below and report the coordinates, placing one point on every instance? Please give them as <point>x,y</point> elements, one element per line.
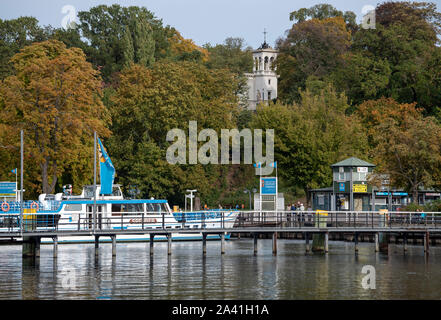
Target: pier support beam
<point>169,244</point>
<point>151,236</point>
<point>318,242</point>
<point>356,242</point>
<point>326,242</point>
<point>31,247</point>
<point>204,243</point>
<point>405,243</point>
<point>222,242</point>
<point>113,245</point>
<point>377,242</point>
<point>426,242</point>
<point>55,252</point>
<point>255,243</point>
<point>384,242</point>
<point>307,242</point>
<point>275,243</point>
<point>97,245</point>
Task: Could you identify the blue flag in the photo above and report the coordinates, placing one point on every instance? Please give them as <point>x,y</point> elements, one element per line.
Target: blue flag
<point>14,171</point>
<point>107,170</point>
<point>273,164</point>
<point>257,165</point>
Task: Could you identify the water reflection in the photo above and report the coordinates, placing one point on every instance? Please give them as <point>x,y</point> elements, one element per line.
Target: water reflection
<point>238,274</point>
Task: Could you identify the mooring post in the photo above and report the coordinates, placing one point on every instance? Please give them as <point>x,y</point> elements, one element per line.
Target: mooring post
<point>223,243</point>
<point>37,246</point>
<point>377,242</point>
<point>151,236</point>
<point>255,243</point>
<point>55,240</point>
<point>275,243</point>
<point>113,245</point>
<point>97,245</point>
<point>326,242</point>
<point>307,241</point>
<point>426,242</point>
<point>204,243</point>
<point>169,244</point>
<point>356,241</point>
<point>405,243</point>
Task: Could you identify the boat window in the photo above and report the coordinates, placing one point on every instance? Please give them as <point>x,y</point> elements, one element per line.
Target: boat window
<point>137,207</point>
<point>88,192</point>
<point>72,207</point>
<point>116,209</point>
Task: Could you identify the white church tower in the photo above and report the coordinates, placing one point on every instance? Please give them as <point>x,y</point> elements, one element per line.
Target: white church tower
<point>262,83</point>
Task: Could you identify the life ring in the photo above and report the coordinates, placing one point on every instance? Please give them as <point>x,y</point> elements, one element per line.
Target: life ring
<point>5,207</point>
<point>34,205</point>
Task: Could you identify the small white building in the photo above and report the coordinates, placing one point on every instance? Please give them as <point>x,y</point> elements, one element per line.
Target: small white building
<point>262,83</point>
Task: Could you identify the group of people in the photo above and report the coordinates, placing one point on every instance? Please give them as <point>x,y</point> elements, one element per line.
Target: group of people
<point>296,207</point>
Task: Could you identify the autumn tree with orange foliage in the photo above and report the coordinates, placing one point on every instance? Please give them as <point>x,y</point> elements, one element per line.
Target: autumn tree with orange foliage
<point>405,144</point>
<point>54,96</point>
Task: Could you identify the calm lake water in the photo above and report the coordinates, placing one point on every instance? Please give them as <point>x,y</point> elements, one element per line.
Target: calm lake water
<point>186,274</point>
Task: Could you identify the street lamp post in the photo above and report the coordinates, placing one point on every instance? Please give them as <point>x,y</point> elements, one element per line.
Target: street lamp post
<point>254,190</point>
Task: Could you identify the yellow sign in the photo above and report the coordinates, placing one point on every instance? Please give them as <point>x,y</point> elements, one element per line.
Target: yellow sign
<point>359,188</point>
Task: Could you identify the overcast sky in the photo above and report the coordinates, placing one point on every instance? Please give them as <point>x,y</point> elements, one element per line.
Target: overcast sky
<point>201,20</point>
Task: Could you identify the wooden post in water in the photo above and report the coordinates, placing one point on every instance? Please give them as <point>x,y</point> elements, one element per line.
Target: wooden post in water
<point>326,242</point>
<point>55,252</point>
<point>97,245</point>
<point>307,241</point>
<point>377,242</point>
<point>151,236</point>
<point>169,244</point>
<point>426,242</point>
<point>405,242</point>
<point>222,242</point>
<point>356,241</point>
<point>255,243</point>
<point>275,243</point>
<point>204,243</point>
<point>113,245</point>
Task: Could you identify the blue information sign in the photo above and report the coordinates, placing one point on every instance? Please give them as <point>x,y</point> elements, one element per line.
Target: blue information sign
<point>268,185</point>
<point>7,189</point>
<point>341,186</point>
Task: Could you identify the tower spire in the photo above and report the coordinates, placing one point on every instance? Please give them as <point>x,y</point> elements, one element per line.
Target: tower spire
<point>264,35</point>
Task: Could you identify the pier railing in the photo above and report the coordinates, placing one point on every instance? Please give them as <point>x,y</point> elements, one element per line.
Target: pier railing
<point>138,221</point>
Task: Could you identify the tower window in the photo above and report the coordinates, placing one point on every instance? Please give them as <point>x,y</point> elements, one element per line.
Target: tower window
<point>269,81</point>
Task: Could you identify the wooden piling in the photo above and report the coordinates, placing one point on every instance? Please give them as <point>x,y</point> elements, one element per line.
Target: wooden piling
<point>55,252</point>
<point>204,243</point>
<point>356,242</point>
<point>426,242</point>
<point>307,242</point>
<point>377,242</point>
<point>151,236</point>
<point>255,243</point>
<point>113,245</point>
<point>169,244</point>
<point>326,242</point>
<point>222,242</point>
<point>97,245</point>
<point>405,243</point>
<point>275,243</point>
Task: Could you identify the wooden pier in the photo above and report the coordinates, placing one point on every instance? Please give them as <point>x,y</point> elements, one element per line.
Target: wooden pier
<point>257,223</point>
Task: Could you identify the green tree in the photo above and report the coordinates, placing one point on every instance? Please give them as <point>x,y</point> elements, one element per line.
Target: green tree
<point>54,97</point>
<point>107,29</point>
<point>151,101</point>
<point>406,37</point>
<point>312,48</point>
<point>311,135</point>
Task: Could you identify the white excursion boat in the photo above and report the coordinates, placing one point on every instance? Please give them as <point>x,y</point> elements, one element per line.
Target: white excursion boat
<point>113,212</point>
